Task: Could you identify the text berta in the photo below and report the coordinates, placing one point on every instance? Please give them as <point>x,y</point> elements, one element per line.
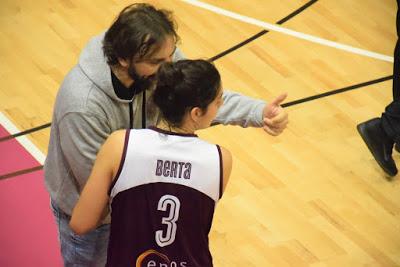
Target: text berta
<point>173,169</point>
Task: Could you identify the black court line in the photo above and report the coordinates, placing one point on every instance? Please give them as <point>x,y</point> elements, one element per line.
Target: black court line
<point>44,126</point>
<point>20,172</point>
<point>233,48</point>
<point>261,33</point>
<point>337,91</point>
<point>224,53</point>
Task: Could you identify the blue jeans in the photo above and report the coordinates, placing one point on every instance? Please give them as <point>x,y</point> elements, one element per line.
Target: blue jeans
<point>89,250</point>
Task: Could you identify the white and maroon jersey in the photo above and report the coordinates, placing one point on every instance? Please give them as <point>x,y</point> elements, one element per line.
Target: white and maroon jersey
<point>163,200</point>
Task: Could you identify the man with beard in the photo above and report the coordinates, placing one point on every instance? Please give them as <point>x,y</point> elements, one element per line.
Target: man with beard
<point>109,90</point>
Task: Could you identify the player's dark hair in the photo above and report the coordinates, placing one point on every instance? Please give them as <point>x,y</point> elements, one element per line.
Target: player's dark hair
<point>184,85</point>
<point>138,32</point>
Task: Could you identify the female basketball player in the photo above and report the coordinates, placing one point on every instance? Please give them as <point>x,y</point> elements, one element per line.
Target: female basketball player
<point>161,183</point>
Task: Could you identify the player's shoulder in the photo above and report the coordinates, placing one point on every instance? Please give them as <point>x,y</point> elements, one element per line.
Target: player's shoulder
<point>225,153</point>
<point>118,134</point>
<point>117,138</point>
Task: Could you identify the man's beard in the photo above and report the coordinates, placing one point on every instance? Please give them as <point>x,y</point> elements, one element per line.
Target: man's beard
<point>140,83</point>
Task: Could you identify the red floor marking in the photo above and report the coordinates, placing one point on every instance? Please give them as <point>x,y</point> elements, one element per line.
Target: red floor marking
<point>28,233</point>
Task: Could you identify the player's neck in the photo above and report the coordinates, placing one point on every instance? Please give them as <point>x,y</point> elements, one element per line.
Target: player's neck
<point>183,129</point>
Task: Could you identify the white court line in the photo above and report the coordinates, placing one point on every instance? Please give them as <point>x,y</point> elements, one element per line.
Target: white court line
<point>23,140</point>
<point>276,28</point>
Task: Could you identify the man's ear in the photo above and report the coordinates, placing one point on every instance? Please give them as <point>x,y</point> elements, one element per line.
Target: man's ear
<point>123,62</point>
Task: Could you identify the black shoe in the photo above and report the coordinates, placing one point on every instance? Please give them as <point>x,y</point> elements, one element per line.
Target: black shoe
<point>379,144</point>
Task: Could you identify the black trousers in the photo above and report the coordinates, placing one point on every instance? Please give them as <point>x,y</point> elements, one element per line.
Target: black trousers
<point>391,116</point>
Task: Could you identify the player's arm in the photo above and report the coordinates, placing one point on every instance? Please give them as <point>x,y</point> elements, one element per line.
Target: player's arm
<point>92,204</point>
<point>227,165</point>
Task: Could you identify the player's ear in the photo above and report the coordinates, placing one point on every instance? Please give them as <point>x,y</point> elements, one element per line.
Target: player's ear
<point>196,113</point>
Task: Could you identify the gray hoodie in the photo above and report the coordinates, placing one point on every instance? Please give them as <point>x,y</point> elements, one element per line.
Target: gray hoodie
<point>87,111</point>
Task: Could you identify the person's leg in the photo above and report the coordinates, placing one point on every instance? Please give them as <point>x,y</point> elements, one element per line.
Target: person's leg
<point>81,251</point>
<point>391,116</point>
<point>396,65</point>
<point>396,73</point>
<point>380,134</point>
<point>391,121</point>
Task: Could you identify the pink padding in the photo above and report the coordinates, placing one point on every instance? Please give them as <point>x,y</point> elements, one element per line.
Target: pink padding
<point>3,132</point>
<point>13,156</point>
<point>28,234</point>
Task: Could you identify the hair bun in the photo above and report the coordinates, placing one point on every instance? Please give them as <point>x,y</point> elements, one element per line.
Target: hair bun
<point>170,74</point>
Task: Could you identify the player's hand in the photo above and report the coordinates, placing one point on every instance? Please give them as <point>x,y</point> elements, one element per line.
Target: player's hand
<point>275,117</point>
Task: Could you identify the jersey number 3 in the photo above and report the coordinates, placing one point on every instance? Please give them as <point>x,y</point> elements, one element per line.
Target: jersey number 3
<point>173,204</point>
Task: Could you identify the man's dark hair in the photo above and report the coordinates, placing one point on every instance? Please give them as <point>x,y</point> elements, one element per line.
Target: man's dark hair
<point>183,85</point>
<point>138,32</point>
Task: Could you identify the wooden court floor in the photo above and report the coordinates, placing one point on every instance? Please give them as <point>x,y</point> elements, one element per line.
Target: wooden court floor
<point>313,196</point>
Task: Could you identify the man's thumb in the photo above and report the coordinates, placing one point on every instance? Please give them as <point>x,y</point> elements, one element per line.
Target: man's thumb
<point>278,100</point>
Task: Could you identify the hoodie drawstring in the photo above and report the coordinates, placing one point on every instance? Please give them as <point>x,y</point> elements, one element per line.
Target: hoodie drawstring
<point>131,115</point>
<point>144,110</point>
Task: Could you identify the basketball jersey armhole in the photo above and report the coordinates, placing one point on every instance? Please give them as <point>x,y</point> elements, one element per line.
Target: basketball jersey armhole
<point>221,172</point>
<point>122,161</point>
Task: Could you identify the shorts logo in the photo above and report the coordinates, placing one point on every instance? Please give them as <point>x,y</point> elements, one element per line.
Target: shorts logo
<point>165,261</point>
<point>143,256</point>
